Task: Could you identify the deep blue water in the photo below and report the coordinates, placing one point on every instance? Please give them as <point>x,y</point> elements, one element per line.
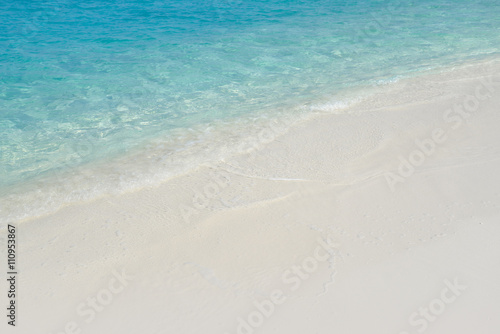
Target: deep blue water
<point>81,81</point>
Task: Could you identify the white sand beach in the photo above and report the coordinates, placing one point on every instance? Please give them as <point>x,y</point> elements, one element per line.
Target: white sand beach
<point>383,217</point>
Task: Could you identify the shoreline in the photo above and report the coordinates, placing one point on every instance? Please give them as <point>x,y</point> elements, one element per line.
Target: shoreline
<point>205,247</point>
<point>163,159</point>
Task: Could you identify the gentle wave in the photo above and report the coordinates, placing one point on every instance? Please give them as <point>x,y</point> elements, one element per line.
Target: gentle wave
<point>92,93</point>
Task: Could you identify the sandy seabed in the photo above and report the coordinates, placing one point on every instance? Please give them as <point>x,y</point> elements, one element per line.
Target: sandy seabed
<point>384,218</point>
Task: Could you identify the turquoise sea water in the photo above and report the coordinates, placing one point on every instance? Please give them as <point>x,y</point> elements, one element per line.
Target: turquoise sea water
<point>84,81</point>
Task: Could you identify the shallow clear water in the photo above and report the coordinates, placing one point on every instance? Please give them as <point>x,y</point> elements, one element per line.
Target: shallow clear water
<point>84,81</point>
